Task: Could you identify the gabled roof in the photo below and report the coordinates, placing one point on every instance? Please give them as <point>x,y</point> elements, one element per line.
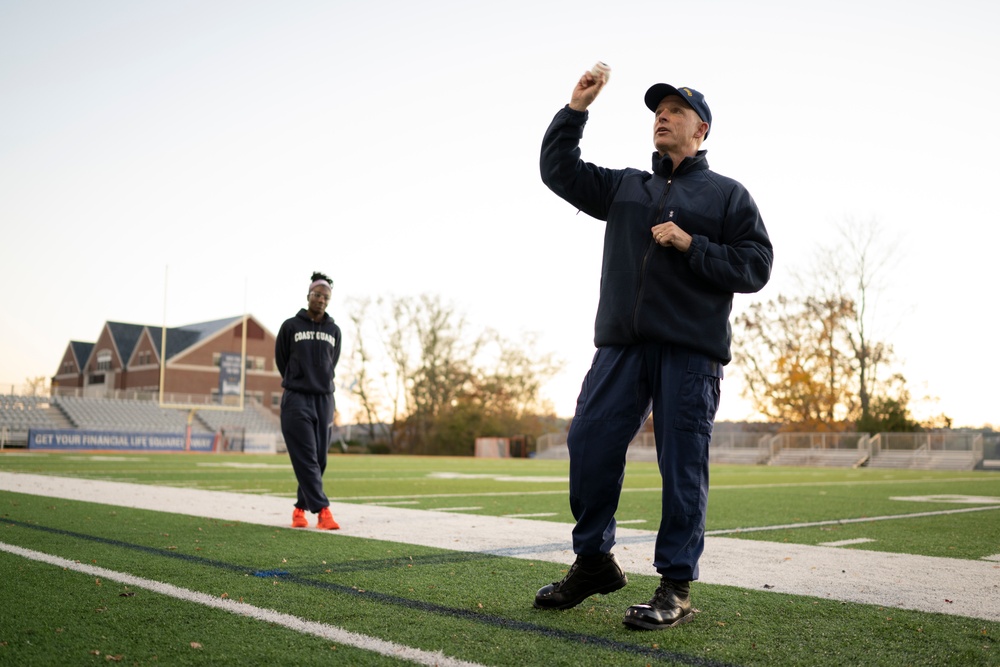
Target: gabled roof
<point>182,338</point>
<point>125,336</point>
<point>81,352</point>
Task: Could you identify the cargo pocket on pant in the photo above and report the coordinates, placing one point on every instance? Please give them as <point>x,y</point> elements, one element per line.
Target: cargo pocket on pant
<point>698,400</point>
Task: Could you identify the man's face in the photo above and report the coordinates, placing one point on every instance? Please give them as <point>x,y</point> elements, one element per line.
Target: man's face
<point>675,126</point>
<point>319,297</point>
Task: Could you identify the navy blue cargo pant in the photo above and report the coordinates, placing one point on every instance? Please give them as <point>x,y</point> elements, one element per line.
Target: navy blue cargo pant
<point>625,384</point>
<point>305,425</point>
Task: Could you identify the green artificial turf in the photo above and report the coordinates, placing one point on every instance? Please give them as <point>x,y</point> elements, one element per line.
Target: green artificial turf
<point>470,606</point>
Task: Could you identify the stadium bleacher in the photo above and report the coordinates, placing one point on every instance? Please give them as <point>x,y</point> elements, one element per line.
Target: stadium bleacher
<point>20,413</point>
<point>124,415</point>
<point>254,418</point>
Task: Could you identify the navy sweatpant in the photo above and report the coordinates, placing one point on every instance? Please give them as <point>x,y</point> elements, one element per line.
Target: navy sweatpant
<point>305,425</point>
<point>625,385</point>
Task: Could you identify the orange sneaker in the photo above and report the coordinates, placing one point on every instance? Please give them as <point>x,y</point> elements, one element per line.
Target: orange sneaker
<point>326,521</point>
<point>299,518</point>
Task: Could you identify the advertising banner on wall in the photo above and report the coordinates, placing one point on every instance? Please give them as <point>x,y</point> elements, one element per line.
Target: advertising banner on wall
<point>117,440</point>
<point>229,377</point>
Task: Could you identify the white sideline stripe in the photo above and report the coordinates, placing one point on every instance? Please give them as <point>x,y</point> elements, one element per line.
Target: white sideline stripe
<point>953,586</point>
<point>839,522</point>
<point>396,502</point>
<point>651,489</point>
<point>528,516</point>
<point>949,498</point>
<point>844,543</point>
<point>330,632</point>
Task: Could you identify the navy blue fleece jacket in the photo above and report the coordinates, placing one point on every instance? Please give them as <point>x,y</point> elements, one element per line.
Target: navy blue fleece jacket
<point>651,293</point>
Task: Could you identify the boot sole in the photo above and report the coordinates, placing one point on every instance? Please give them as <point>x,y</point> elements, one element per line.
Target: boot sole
<point>640,624</point>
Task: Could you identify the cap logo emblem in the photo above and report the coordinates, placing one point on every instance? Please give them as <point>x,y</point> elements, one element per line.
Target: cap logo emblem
<point>688,91</point>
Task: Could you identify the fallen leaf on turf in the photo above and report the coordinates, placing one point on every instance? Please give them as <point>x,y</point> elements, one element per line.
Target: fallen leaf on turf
<point>126,594</point>
<point>114,658</point>
<point>195,645</point>
<point>768,586</point>
<point>97,581</point>
<point>224,595</point>
<point>949,601</point>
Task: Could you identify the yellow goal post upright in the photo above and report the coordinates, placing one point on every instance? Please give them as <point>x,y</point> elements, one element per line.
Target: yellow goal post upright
<point>193,408</point>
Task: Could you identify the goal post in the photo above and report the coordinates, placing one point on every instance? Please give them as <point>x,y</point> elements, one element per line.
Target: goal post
<point>232,374</point>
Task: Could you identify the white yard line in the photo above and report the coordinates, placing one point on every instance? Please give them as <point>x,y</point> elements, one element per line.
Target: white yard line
<point>923,583</point>
<point>330,632</point>
<point>844,522</point>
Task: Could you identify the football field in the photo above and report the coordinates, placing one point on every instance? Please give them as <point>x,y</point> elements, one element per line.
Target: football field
<point>188,559</point>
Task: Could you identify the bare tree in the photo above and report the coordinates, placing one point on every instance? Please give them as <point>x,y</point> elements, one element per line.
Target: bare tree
<point>816,360</point>
<point>856,269</point>
<point>440,381</point>
<point>364,386</point>
<point>36,386</point>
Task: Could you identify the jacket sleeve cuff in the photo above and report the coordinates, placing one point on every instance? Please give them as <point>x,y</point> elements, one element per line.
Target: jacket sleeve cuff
<point>579,117</point>
<point>699,244</point>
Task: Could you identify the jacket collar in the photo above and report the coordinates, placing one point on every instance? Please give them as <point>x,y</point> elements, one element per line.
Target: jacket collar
<point>665,167</point>
<point>304,314</point>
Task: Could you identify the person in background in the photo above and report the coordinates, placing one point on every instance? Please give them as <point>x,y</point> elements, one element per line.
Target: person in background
<point>306,352</point>
<point>679,241</point>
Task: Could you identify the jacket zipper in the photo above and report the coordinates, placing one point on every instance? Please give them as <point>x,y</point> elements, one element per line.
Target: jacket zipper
<point>645,259</point>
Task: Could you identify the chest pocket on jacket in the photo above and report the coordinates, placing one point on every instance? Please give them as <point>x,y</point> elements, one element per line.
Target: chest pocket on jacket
<point>695,222</point>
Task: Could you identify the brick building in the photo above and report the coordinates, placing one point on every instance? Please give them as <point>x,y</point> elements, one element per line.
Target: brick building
<point>125,362</point>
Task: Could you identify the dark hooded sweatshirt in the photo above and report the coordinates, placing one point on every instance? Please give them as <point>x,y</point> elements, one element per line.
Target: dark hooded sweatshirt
<point>651,293</point>
<point>307,352</point>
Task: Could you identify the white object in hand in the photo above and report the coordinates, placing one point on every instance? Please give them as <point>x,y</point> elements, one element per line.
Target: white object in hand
<point>600,70</point>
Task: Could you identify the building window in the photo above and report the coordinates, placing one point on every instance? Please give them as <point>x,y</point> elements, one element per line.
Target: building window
<point>104,360</point>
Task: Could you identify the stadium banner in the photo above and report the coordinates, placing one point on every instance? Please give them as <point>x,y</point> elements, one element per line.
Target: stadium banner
<point>48,438</point>
<point>230,368</point>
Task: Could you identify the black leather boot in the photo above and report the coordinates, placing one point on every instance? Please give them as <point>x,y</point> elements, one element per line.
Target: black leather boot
<point>587,576</point>
<point>670,606</point>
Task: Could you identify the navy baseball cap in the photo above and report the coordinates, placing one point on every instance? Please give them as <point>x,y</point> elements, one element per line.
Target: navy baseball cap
<point>658,91</point>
